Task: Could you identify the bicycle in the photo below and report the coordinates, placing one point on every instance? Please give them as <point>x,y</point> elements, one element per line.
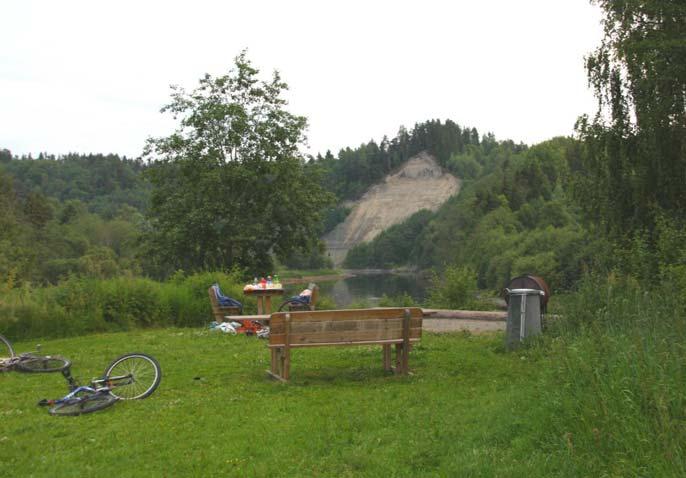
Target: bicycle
<point>29,361</point>
<point>133,376</point>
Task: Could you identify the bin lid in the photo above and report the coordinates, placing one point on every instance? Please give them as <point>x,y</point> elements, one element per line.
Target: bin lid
<point>525,292</point>
<point>529,281</point>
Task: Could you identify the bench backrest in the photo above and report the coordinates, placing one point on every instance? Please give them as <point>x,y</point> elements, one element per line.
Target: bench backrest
<point>345,327</point>
<point>219,311</point>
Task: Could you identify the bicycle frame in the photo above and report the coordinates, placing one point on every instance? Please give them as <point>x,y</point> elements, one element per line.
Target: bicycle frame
<point>98,383</point>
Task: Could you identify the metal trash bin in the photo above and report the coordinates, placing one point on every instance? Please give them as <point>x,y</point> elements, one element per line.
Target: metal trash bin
<point>523,315</point>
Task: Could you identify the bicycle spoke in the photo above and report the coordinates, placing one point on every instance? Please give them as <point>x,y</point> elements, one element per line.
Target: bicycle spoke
<point>144,376</point>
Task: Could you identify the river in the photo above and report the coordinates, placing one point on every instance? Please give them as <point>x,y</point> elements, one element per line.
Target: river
<point>366,289</point>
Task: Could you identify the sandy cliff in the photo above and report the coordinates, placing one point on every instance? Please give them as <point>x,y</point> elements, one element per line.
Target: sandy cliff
<point>419,184</point>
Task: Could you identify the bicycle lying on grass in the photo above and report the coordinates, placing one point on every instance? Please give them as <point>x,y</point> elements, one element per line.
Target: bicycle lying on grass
<point>132,376</point>
<point>29,361</point>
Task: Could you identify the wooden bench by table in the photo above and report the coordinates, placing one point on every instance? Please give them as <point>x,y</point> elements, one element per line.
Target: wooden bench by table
<point>383,326</point>
<point>221,312</point>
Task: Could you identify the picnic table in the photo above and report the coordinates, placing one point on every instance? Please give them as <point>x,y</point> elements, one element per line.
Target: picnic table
<point>264,298</point>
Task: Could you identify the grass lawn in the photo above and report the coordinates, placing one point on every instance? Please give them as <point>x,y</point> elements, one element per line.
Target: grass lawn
<point>216,413</point>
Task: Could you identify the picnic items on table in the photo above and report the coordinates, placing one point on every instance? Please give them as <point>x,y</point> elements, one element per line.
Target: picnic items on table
<point>264,284</point>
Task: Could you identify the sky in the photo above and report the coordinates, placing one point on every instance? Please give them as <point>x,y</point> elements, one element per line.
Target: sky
<point>91,77</point>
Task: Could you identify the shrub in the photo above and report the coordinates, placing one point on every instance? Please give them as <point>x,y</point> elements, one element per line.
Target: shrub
<point>455,289</point>
<point>79,305</point>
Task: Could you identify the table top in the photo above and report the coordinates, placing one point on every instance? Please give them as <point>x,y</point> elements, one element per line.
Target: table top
<point>264,292</point>
<point>238,318</point>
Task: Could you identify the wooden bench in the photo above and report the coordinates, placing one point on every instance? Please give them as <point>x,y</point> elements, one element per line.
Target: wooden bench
<point>221,312</point>
<point>383,326</point>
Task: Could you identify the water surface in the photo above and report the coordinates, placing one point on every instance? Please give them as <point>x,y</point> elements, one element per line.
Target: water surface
<point>368,289</point>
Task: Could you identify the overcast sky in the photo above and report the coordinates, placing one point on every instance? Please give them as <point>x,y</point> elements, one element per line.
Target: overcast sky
<point>90,76</point>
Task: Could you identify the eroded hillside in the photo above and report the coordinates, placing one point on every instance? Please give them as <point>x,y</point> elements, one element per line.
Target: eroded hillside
<point>419,184</point>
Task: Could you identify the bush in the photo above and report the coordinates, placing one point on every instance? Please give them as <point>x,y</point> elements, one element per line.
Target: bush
<point>80,306</point>
<point>455,289</point>
<point>402,300</point>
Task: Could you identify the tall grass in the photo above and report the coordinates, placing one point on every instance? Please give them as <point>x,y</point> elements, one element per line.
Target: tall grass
<point>79,305</point>
<point>613,391</point>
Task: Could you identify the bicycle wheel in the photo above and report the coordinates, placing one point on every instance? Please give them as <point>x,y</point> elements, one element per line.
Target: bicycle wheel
<point>81,405</point>
<point>6,350</point>
<point>36,363</point>
<point>133,376</point>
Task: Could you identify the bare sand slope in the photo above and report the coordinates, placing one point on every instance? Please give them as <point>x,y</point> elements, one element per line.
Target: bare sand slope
<point>419,184</point>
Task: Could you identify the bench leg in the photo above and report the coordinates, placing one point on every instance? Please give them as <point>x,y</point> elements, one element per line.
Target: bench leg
<point>398,357</point>
<point>386,350</point>
<point>402,355</point>
<point>277,364</point>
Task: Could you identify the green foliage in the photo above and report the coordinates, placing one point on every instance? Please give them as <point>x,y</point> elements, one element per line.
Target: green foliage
<point>402,300</point>
<point>334,216</point>
<point>44,240</point>
<point>631,168</point>
<point>85,305</point>
<point>454,288</point>
<point>514,218</point>
<point>392,247</point>
<point>615,387</point>
<point>230,186</point>
<point>315,258</point>
<point>104,182</point>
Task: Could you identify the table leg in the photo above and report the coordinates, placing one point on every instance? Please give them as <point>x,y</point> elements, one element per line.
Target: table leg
<point>260,307</point>
<point>267,304</point>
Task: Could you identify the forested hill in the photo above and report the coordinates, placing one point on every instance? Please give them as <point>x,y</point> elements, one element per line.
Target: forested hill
<point>74,214</point>
<point>353,171</point>
<point>514,215</point>
<point>103,183</point>
<point>419,184</point>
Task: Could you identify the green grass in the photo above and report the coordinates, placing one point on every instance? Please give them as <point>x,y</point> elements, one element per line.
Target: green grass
<point>216,413</point>
<point>600,395</point>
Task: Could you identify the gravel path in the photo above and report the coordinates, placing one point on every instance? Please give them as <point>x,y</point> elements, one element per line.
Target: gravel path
<point>457,325</point>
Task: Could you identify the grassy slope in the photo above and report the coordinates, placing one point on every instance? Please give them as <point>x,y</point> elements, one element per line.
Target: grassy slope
<point>216,414</point>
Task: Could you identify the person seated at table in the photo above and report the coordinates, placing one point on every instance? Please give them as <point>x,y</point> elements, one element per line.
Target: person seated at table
<point>303,299</point>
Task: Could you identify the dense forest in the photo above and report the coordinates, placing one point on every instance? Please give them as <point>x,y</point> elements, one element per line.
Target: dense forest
<point>77,214</point>
<point>515,214</point>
